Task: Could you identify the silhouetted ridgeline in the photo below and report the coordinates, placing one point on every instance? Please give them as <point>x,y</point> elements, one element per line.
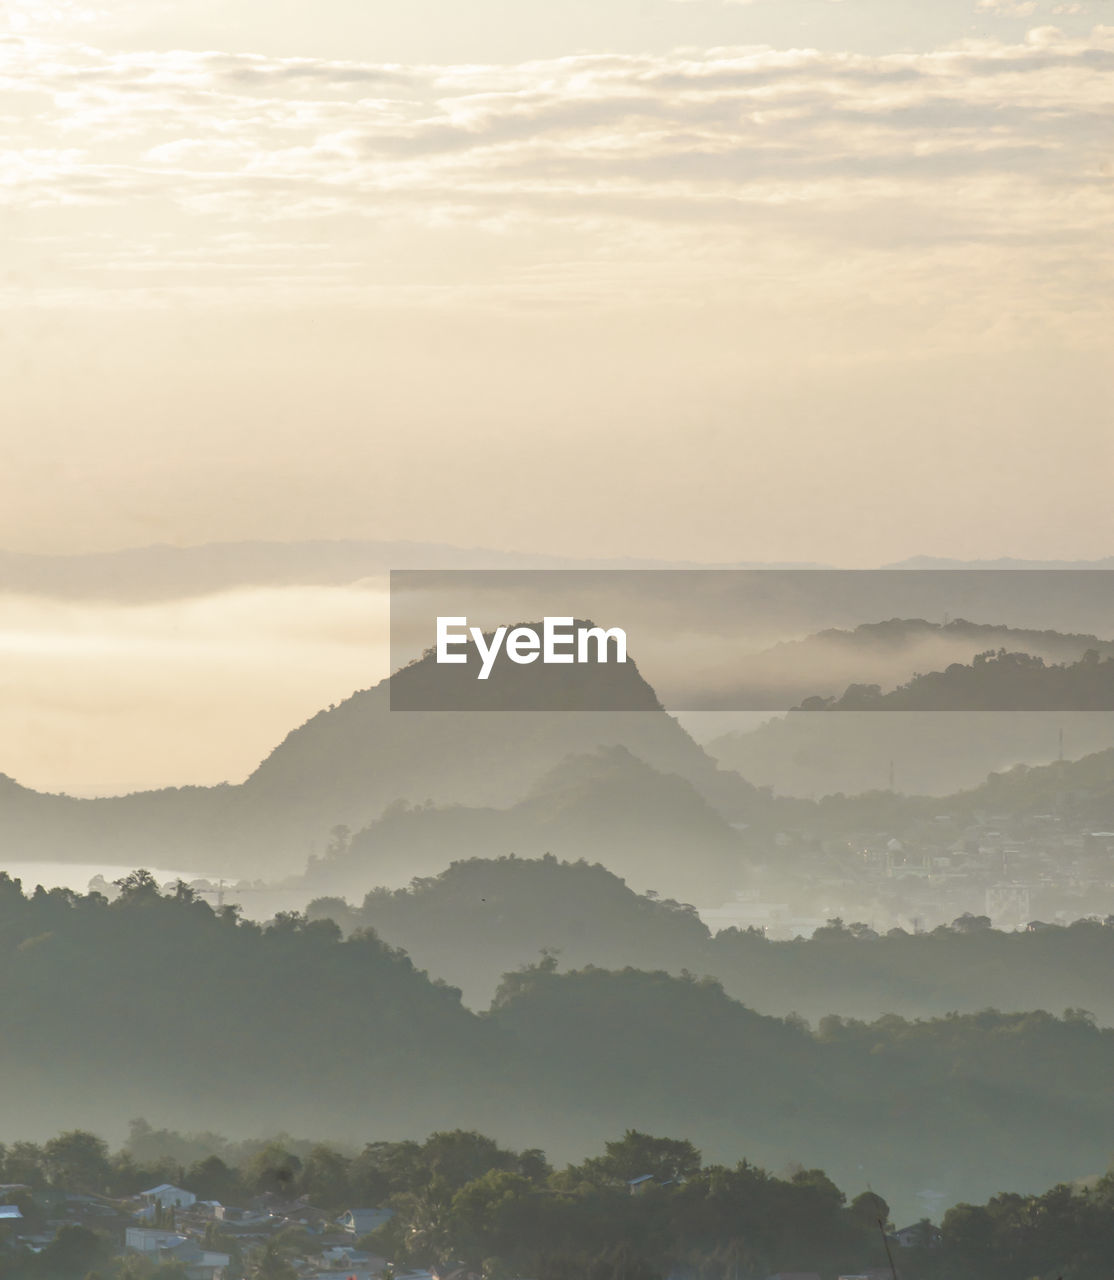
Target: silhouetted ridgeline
<point>482,918</point>
<point>652,828</point>
<point>345,766</point>
<point>159,1005</point>
<point>993,681</point>
<point>886,653</point>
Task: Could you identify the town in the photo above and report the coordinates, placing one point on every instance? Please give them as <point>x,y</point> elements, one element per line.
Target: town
<point>280,1231</point>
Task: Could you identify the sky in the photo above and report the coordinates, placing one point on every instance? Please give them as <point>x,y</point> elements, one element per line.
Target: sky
<point>789,280</point>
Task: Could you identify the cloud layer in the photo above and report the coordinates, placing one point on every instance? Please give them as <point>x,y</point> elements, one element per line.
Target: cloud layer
<point>127,175</point>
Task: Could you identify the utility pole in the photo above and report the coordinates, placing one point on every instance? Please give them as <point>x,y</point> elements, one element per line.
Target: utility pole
<point>886,1246</point>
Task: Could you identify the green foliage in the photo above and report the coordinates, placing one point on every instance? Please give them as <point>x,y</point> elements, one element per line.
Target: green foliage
<point>347,1036</point>
<point>638,1155</point>
<point>77,1161</point>
<point>463,1200</point>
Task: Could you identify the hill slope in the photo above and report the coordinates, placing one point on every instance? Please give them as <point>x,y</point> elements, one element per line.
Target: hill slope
<point>161,1006</point>
<point>652,828</point>
<point>345,766</point>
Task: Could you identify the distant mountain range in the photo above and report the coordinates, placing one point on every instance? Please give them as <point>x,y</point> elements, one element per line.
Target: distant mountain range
<point>346,765</point>
<point>886,654</point>
<point>1001,680</point>
<point>483,917</point>
<point>629,788</point>
<point>1002,562</point>
<point>165,572</point>
<point>653,829</point>
<point>926,753</point>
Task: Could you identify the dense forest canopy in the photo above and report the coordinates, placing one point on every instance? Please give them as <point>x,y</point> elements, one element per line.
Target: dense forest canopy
<point>645,1206</point>
<point>482,917</point>
<point>189,1013</point>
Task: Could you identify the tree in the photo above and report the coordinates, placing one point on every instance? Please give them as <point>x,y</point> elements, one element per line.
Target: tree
<point>968,923</point>
<point>325,1178</point>
<point>73,1253</point>
<point>273,1262</point>
<point>25,1164</point>
<point>77,1161</point>
<point>636,1155</point>
<point>870,1209</point>
<point>139,886</point>
<point>212,1179</point>
<point>273,1169</point>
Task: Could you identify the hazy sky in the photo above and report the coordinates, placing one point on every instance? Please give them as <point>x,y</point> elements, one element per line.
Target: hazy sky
<point>820,280</point>
<point>788,279</point>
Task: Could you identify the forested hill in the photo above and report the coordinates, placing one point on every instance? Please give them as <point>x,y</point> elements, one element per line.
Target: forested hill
<point>992,681</point>
<point>886,653</point>
<point>345,766</point>
<point>606,805</point>
<point>483,917</point>
<point>161,1006</point>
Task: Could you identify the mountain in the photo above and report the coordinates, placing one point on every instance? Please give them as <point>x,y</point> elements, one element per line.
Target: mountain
<point>346,765</point>
<point>887,654</point>
<point>930,753</point>
<point>806,755</point>
<point>999,681</point>
<point>159,1005</point>
<point>164,572</point>
<point>484,917</point>
<point>1002,563</point>
<point>653,829</point>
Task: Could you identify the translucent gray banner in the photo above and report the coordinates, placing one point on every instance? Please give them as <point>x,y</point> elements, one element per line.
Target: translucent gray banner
<point>752,640</point>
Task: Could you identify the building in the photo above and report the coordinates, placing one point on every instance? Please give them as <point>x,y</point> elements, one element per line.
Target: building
<point>167,1246</point>
<point>920,1235</point>
<point>358,1222</point>
<point>170,1197</point>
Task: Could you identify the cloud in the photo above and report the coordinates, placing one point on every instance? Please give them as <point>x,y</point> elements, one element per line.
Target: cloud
<point>1007,8</point>
<point>176,172</point>
<point>92,687</point>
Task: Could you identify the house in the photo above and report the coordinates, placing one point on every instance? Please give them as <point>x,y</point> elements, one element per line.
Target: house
<point>151,1240</point>
<point>348,1260</point>
<point>167,1246</point>
<point>919,1235</point>
<point>349,1273</point>
<point>200,1263</point>
<point>636,1186</point>
<point>170,1197</point>
<point>358,1222</point>
<point>340,1255</point>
